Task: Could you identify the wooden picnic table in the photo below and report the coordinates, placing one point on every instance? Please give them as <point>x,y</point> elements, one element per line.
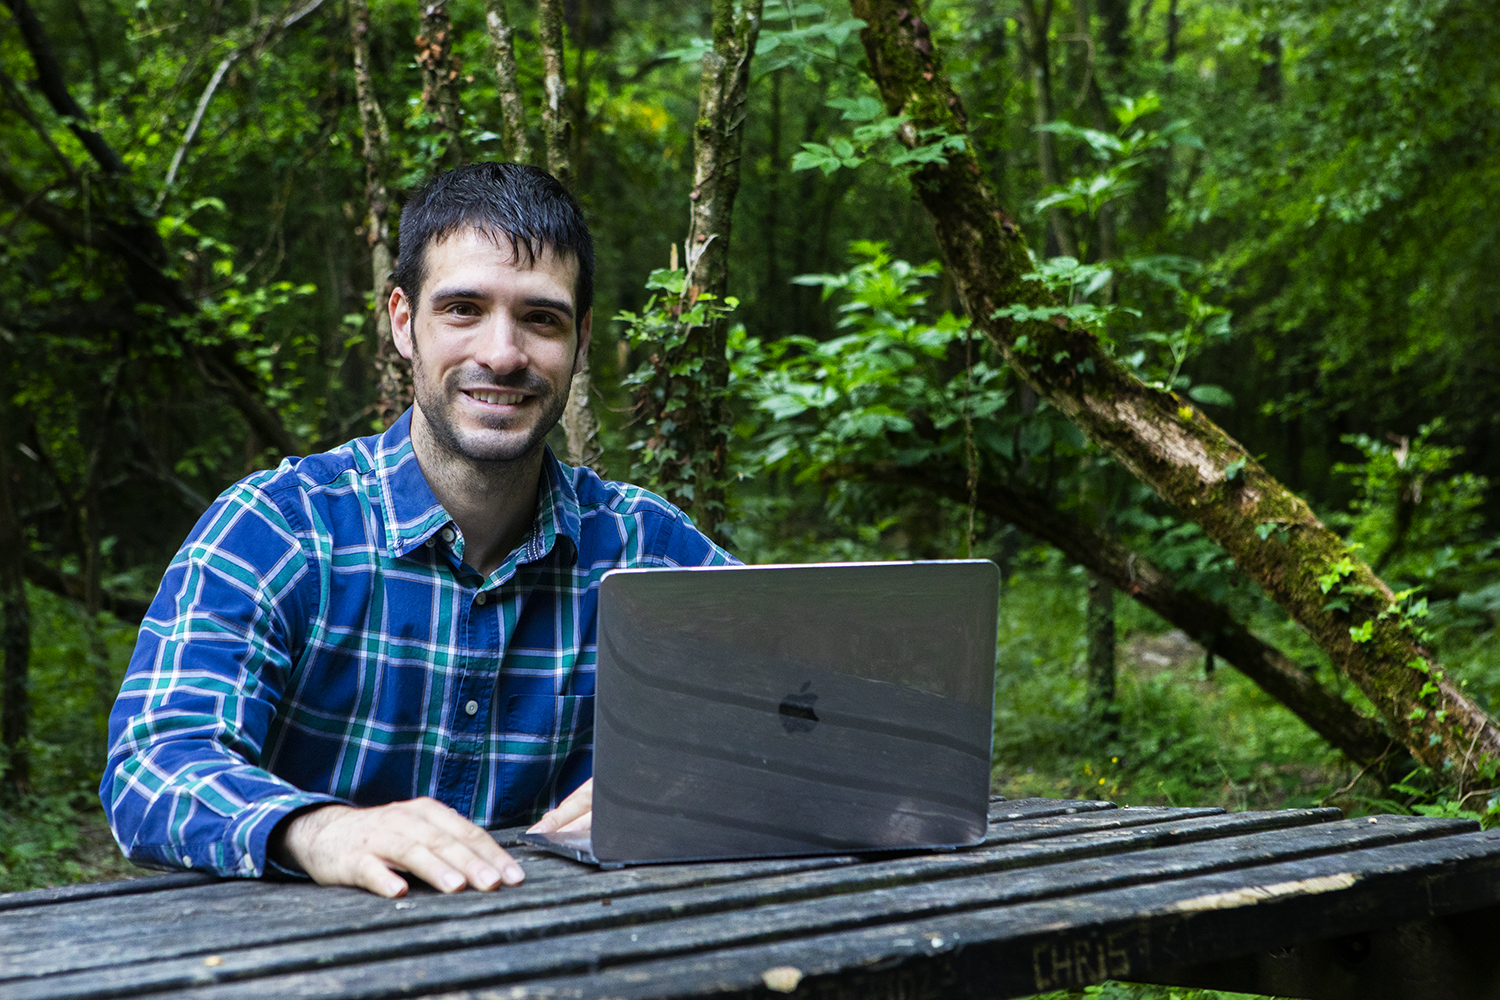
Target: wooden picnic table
<point>1300,902</point>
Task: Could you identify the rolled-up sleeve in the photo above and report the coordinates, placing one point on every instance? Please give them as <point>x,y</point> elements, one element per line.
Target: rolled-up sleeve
<point>182,787</point>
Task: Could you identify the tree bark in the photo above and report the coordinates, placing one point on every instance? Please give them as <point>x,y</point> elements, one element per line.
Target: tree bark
<point>687,412</point>
<point>392,374</point>
<point>15,637</point>
<point>1035,25</point>
<point>557,121</point>
<point>512,111</point>
<point>1101,657</point>
<point>440,79</point>
<point>1361,739</point>
<point>1271,534</point>
<point>579,422</point>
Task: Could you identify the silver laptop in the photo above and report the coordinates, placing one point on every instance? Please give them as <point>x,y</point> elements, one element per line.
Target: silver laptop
<point>760,711</point>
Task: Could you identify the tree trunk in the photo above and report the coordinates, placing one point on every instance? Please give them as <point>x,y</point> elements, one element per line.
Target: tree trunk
<point>1101,658</point>
<point>440,79</point>
<point>512,111</point>
<point>579,422</point>
<point>1035,25</point>
<point>393,391</point>
<point>687,412</point>
<point>557,122</point>
<point>1271,534</point>
<point>1360,739</point>
<point>15,638</point>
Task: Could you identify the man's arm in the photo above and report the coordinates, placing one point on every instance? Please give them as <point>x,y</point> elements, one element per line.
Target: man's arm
<point>183,787</point>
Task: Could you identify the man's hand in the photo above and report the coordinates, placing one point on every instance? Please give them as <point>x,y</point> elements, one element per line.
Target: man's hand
<point>574,814</point>
<point>342,845</point>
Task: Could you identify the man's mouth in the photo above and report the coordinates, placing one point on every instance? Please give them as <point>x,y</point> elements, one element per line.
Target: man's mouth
<point>496,398</point>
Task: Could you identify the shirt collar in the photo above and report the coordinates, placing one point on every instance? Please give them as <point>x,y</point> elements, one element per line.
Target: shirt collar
<point>413,513</point>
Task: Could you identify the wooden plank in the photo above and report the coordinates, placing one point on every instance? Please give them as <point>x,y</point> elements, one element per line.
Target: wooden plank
<point>99,890</point>
<point>1069,943</point>
<point>237,915</point>
<point>303,910</point>
<point>662,924</point>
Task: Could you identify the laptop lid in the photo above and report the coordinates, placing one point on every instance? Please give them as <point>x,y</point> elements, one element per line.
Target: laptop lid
<point>781,710</point>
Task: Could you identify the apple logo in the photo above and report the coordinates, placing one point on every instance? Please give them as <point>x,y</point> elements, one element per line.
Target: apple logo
<point>796,711</point>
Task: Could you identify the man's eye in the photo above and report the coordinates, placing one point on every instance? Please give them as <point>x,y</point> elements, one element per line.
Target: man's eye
<point>543,319</point>
<point>464,309</point>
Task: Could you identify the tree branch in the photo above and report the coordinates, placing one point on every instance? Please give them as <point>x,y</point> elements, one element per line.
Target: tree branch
<point>1270,532</point>
<point>1361,739</point>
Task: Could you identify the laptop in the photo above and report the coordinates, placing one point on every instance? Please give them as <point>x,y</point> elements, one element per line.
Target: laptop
<point>764,711</point>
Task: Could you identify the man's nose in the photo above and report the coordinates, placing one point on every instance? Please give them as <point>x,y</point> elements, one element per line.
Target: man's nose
<point>500,346</point>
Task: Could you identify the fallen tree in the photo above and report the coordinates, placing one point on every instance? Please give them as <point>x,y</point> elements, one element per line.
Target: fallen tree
<point>1368,632</point>
<point>1361,739</point>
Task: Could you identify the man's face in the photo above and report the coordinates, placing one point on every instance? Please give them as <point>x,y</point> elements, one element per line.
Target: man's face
<point>492,346</point>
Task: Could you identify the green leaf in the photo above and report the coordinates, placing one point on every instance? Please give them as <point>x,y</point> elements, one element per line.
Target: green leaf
<point>1212,395</point>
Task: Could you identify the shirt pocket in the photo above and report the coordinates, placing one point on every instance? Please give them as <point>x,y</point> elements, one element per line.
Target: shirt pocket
<point>541,734</point>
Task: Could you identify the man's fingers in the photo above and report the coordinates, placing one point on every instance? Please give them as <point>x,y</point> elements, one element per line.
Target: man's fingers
<point>582,824</point>
<point>468,848</point>
<point>360,847</point>
<point>369,873</point>
<point>579,804</point>
<point>431,867</point>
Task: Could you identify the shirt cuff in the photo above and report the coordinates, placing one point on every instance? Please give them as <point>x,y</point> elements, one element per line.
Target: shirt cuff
<point>248,841</point>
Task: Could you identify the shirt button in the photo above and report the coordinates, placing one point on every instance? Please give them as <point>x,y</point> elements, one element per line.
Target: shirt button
<point>187,862</point>
<point>472,707</point>
<point>447,534</point>
<point>429,543</point>
<point>481,598</point>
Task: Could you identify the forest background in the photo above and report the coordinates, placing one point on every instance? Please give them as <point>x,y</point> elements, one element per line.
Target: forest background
<point>1274,219</point>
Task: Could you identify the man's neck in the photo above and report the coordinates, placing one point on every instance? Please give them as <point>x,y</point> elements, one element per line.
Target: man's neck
<point>493,503</point>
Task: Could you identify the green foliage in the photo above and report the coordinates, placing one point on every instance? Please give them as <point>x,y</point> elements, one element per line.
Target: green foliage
<point>676,381</point>
<point>1183,740</point>
<point>57,834</point>
<point>859,396</point>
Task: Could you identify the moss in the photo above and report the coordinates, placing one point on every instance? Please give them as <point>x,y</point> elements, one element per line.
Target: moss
<point>987,259</point>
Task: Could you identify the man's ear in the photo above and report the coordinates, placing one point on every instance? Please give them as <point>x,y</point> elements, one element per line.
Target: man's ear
<point>400,310</point>
<point>585,335</point>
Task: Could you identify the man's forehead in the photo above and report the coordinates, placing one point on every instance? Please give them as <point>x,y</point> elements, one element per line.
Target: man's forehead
<point>523,254</point>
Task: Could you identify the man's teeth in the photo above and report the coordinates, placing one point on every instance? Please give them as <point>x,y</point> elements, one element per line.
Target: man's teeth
<point>498,398</point>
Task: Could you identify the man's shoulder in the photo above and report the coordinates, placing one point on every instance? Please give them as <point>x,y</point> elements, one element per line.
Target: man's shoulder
<point>300,478</point>
<point>605,497</point>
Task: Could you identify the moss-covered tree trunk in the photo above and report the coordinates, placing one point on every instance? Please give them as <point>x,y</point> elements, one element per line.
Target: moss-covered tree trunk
<point>684,404</point>
<point>392,375</point>
<point>579,422</point>
<point>1361,739</point>
<point>440,71</point>
<point>512,110</point>
<point>1271,533</point>
<point>1103,711</point>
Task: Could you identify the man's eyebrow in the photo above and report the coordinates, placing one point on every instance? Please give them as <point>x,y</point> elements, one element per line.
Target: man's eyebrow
<point>566,308</point>
<point>445,294</point>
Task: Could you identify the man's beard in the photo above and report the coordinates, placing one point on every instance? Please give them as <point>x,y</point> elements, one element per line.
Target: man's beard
<point>437,403</point>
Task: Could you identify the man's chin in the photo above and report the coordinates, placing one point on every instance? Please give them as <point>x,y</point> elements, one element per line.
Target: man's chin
<point>496,448</point>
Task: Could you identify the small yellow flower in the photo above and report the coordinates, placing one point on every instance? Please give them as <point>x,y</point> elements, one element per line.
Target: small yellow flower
<point>1101,781</point>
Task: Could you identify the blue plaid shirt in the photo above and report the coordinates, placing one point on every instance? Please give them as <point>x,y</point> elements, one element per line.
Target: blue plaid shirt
<point>319,638</point>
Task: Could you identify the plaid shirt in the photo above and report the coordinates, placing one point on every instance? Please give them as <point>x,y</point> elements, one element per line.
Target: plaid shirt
<point>318,638</point>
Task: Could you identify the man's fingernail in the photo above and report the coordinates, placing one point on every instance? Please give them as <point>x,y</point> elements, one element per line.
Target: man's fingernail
<point>488,876</point>
<point>513,875</point>
<point>453,881</point>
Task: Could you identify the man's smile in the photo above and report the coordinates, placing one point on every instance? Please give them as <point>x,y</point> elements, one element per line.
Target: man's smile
<point>494,397</point>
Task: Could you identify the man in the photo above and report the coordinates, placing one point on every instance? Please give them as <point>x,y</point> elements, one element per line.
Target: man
<point>361,658</point>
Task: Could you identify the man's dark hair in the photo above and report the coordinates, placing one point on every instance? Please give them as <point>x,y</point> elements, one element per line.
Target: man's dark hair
<point>525,204</point>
